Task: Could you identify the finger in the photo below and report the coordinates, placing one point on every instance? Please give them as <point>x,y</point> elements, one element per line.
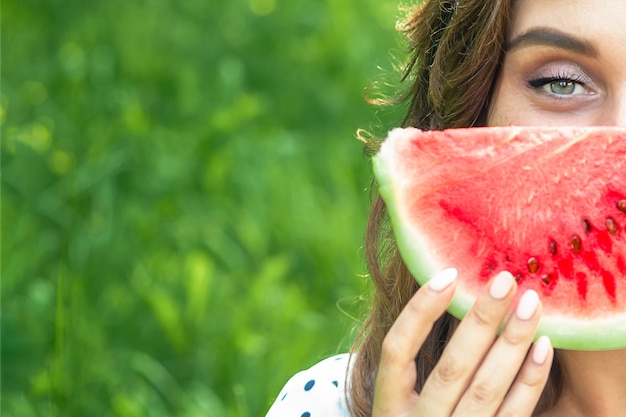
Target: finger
<point>467,348</point>
<point>395,381</point>
<point>530,382</point>
<point>501,365</point>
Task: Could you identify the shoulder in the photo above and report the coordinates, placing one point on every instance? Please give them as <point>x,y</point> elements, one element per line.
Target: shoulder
<point>317,391</point>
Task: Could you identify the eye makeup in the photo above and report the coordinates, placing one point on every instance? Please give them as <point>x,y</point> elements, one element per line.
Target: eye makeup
<point>561,80</point>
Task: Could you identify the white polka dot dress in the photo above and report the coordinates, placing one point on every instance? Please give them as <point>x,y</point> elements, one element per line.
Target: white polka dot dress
<point>317,392</point>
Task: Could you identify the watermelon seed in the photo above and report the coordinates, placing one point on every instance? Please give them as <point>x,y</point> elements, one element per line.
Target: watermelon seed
<point>533,265</point>
<point>611,226</point>
<point>576,243</point>
<point>547,279</point>
<point>518,277</point>
<point>621,205</point>
<point>586,225</point>
<point>552,247</point>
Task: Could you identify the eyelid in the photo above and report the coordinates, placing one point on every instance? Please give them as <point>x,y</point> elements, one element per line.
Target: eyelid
<point>539,82</point>
<point>560,71</point>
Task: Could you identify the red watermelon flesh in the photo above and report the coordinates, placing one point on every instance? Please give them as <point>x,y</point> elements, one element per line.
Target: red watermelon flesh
<point>546,204</point>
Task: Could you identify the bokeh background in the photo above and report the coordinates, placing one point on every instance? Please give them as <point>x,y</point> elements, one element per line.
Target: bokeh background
<point>183,198</point>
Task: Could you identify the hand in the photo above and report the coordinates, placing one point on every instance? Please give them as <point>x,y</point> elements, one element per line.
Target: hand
<point>480,373</point>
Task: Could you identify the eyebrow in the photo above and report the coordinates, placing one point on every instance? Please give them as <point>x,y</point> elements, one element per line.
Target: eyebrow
<point>552,37</point>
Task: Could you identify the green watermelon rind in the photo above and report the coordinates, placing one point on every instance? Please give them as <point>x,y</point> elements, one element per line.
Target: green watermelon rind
<point>565,333</point>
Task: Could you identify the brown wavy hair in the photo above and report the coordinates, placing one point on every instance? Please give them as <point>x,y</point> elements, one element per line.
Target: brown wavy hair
<point>455,53</point>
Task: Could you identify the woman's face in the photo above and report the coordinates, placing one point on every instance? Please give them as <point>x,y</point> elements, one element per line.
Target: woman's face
<point>565,64</point>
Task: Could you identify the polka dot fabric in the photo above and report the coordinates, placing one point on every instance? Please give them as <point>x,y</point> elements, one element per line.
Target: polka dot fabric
<point>317,392</point>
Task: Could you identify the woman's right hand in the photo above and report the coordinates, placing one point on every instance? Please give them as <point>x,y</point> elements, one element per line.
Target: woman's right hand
<point>480,373</point>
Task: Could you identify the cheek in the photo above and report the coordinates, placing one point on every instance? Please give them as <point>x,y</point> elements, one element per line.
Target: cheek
<point>510,106</point>
<point>496,117</point>
<point>501,110</point>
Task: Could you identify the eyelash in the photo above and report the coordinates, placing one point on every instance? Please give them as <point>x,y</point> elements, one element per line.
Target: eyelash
<point>539,83</point>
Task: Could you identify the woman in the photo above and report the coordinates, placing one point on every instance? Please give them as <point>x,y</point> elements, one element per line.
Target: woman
<point>473,63</point>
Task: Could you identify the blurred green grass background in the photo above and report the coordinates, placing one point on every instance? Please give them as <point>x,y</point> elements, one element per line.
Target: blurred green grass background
<point>183,198</point>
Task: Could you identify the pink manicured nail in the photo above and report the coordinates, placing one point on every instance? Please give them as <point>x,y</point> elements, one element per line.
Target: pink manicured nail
<point>443,279</point>
<point>501,285</point>
<point>541,350</point>
<point>527,305</point>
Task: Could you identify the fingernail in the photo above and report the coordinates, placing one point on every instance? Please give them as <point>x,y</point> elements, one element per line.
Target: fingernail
<point>541,350</point>
<point>443,279</point>
<point>501,285</point>
<point>527,305</point>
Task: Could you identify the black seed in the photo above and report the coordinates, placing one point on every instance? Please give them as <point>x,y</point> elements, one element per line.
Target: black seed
<point>518,277</point>
<point>576,243</point>
<point>611,226</point>
<point>533,265</point>
<point>552,247</point>
<point>547,279</point>
<point>586,226</point>
<point>621,206</point>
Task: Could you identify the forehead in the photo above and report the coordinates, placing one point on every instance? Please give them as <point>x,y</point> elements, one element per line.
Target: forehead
<point>590,19</point>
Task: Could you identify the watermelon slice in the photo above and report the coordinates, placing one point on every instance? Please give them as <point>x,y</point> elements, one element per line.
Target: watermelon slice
<point>546,204</point>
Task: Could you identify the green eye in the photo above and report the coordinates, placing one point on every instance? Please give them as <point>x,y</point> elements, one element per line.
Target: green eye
<point>559,86</point>
<point>562,87</point>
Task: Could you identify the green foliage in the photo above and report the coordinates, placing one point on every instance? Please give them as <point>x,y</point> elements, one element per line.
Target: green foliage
<point>183,199</point>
